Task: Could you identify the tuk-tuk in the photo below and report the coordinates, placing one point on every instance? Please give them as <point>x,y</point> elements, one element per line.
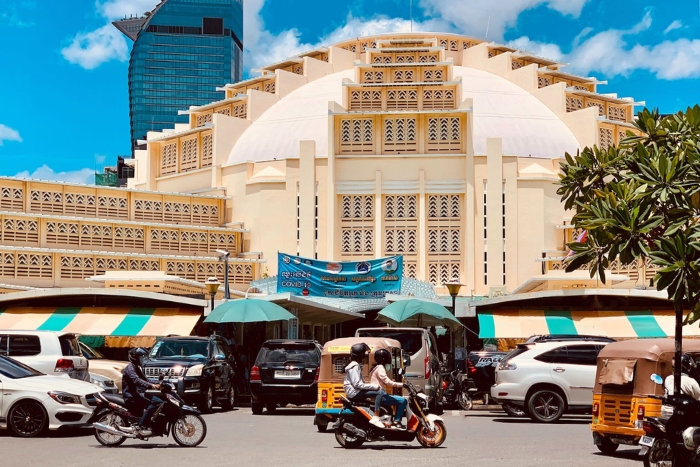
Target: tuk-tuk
<point>621,396</point>
<point>334,358</point>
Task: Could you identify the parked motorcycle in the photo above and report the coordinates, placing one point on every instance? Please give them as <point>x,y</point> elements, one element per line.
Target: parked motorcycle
<point>455,391</point>
<point>675,441</point>
<point>353,428</point>
<point>114,423</point>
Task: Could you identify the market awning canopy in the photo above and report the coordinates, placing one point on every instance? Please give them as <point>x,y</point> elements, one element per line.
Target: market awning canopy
<point>248,310</point>
<point>615,324</point>
<point>102,321</point>
<point>417,313</point>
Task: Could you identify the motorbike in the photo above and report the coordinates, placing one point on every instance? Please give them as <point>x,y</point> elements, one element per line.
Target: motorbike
<point>455,391</point>
<point>114,424</point>
<point>353,428</point>
<point>676,441</point>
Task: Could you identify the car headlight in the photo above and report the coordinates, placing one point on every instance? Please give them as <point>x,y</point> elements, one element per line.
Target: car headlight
<point>64,397</point>
<point>195,370</point>
<point>103,384</point>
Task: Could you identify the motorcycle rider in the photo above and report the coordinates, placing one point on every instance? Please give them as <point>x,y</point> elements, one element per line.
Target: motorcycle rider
<point>355,387</point>
<point>380,377</point>
<point>689,386</point>
<point>134,383</point>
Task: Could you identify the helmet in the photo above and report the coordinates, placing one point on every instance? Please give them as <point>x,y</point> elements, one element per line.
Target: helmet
<point>687,363</point>
<point>382,356</point>
<point>358,351</point>
<point>689,437</point>
<point>136,354</point>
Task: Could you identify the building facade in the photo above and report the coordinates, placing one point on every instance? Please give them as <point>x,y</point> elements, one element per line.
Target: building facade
<point>439,147</point>
<point>182,51</point>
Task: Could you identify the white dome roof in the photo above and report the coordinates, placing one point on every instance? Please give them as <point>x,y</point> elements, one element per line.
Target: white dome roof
<point>501,110</point>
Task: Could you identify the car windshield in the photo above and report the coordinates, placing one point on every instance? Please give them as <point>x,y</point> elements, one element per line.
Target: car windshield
<point>282,354</point>
<point>90,353</point>
<point>15,370</point>
<point>185,348</point>
<point>411,341</point>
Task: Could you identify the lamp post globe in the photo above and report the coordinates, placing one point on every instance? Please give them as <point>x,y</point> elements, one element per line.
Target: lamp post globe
<point>212,285</point>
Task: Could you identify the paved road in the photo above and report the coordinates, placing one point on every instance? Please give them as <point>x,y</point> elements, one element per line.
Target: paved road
<point>289,438</point>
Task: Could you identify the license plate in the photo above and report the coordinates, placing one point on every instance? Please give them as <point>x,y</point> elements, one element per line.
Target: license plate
<point>286,374</point>
<point>646,441</point>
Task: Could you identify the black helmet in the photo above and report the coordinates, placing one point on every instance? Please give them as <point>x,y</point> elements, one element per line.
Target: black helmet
<point>382,357</point>
<point>358,351</point>
<point>136,354</point>
<point>687,363</point>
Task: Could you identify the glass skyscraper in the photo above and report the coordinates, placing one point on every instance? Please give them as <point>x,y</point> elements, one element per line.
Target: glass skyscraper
<point>182,51</point>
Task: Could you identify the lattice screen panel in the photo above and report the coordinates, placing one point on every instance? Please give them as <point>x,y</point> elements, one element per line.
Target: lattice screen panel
<point>365,100</point>
<point>207,150</point>
<point>188,155</point>
<point>400,136</point>
<point>444,135</point>
<point>400,207</point>
<point>49,202</point>
<point>402,99</point>
<point>605,138</point>
<point>79,204</point>
<point>356,136</point>
<point>11,198</point>
<point>168,158</point>
<point>441,272</point>
<point>439,99</point>
<point>112,207</point>
<point>20,230</point>
<point>574,103</point>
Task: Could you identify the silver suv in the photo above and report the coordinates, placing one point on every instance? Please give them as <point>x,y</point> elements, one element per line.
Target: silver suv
<point>549,376</point>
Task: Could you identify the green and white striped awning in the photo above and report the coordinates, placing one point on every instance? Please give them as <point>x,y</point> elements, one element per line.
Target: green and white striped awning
<point>615,324</point>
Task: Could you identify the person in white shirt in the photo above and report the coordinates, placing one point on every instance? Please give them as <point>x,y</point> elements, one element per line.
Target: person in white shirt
<point>689,386</point>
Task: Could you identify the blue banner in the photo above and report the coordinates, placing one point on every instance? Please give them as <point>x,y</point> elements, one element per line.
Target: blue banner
<point>362,279</point>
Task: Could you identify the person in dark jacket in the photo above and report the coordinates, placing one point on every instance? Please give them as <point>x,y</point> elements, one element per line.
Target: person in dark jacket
<point>134,383</point>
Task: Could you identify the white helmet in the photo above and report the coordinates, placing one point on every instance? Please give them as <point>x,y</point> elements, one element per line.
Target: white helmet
<point>688,435</point>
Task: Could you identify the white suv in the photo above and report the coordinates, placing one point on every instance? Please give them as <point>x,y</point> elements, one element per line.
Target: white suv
<point>549,376</point>
<point>52,353</point>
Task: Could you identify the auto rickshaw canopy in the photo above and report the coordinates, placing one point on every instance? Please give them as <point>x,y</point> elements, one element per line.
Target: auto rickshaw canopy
<point>335,356</point>
<point>626,366</point>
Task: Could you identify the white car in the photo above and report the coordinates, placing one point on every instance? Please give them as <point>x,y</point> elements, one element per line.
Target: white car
<point>52,353</point>
<point>549,376</point>
<point>31,402</point>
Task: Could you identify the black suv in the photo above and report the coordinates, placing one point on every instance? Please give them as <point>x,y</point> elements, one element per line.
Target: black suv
<point>201,368</point>
<point>285,372</point>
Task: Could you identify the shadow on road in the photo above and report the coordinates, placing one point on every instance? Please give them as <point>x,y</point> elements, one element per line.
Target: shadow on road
<point>629,454</point>
<point>148,446</point>
<point>563,421</point>
<point>292,411</point>
<point>65,432</point>
<point>385,447</point>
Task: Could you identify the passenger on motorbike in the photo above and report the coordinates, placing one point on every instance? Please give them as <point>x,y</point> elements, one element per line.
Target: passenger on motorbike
<point>689,386</point>
<point>354,386</point>
<point>380,378</point>
<point>134,383</point>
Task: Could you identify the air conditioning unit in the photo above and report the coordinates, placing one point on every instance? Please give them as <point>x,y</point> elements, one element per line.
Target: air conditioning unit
<point>497,292</point>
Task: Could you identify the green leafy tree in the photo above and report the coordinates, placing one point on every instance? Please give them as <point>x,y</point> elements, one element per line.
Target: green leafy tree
<point>641,199</point>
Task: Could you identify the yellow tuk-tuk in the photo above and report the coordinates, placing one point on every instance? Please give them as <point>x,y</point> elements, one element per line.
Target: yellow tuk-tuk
<point>623,386</point>
<point>334,358</point>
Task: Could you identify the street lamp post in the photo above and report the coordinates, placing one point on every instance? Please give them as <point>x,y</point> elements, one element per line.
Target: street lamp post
<point>453,288</point>
<point>223,256</point>
<point>212,285</point>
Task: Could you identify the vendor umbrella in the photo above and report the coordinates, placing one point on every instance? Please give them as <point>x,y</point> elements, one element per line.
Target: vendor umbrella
<point>417,313</point>
<point>248,310</point>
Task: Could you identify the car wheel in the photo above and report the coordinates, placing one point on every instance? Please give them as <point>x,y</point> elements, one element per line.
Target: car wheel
<point>230,402</point>
<point>271,408</point>
<point>257,407</point>
<point>607,446</point>
<point>545,406</point>
<point>207,400</point>
<point>27,419</point>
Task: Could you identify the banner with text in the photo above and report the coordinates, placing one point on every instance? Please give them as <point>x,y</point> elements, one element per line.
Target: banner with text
<point>373,278</point>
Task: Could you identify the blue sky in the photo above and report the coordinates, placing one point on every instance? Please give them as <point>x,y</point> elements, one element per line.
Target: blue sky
<point>63,85</point>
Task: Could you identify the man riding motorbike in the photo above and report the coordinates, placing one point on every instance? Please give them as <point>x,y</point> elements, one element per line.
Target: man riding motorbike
<point>134,383</point>
<point>380,377</point>
<point>355,387</point>
<point>689,386</point>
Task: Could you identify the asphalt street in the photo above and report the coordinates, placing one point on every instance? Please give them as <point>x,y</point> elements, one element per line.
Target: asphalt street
<point>289,438</point>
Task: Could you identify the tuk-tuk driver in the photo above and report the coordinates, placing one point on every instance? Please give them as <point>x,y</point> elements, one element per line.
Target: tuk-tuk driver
<point>355,387</point>
<point>689,386</point>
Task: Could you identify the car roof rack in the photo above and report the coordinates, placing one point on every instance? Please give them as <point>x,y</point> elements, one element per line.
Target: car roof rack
<point>566,337</point>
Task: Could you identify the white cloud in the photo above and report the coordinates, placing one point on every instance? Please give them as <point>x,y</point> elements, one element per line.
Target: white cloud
<point>609,53</point>
<point>673,26</point>
<point>472,16</point>
<point>86,176</point>
<point>543,49</point>
<point>92,49</point>
<point>9,134</point>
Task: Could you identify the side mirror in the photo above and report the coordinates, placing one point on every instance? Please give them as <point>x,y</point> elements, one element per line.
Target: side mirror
<point>219,358</point>
<point>401,371</point>
<point>656,379</point>
<point>406,360</point>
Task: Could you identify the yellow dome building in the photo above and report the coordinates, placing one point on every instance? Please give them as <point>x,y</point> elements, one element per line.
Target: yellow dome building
<point>442,148</point>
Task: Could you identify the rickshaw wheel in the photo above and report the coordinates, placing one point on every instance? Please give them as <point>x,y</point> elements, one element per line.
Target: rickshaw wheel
<point>607,446</point>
